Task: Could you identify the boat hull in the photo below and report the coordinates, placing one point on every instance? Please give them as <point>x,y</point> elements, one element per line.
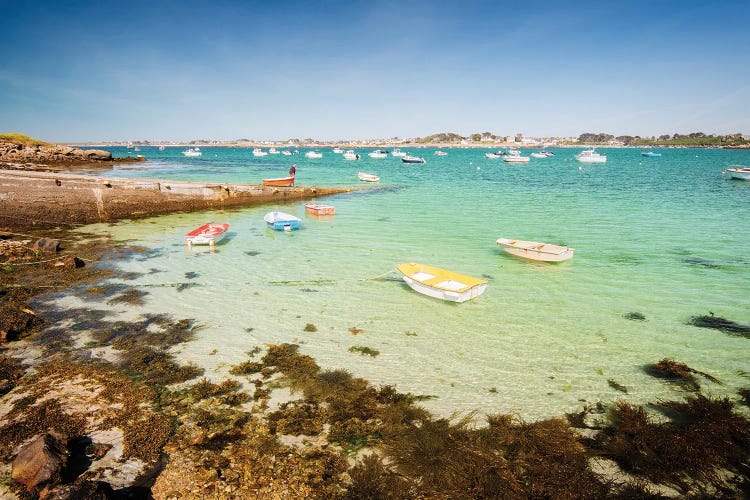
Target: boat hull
<point>516,159</point>
<point>441,284</point>
<point>281,181</point>
<point>368,177</point>
<point>207,234</point>
<point>319,209</point>
<point>534,250</point>
<point>281,221</point>
<point>742,174</point>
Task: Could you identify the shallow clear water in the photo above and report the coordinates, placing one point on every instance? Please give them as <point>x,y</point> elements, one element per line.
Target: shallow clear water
<point>667,237</point>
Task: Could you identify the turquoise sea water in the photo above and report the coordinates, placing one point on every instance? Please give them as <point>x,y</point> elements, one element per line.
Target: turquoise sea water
<point>666,237</point>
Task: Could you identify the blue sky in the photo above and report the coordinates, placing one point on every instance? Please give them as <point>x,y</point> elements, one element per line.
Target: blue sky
<point>181,70</point>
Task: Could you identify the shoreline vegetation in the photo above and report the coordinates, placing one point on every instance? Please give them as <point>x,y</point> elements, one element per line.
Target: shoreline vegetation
<point>95,407</point>
<point>477,140</point>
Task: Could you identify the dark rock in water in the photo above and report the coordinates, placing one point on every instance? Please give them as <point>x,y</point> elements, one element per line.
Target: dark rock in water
<point>191,274</point>
<point>47,245</point>
<point>39,463</point>
<point>719,323</point>
<point>90,490</point>
<point>698,261</point>
<point>71,262</point>
<point>252,253</point>
<point>634,316</point>
<point>618,387</point>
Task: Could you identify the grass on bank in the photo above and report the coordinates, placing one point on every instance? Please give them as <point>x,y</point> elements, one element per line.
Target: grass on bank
<point>21,139</point>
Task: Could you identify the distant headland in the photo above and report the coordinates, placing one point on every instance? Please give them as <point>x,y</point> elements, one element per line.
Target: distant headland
<point>477,140</point>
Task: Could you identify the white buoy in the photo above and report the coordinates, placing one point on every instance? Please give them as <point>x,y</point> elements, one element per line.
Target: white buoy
<point>479,168</point>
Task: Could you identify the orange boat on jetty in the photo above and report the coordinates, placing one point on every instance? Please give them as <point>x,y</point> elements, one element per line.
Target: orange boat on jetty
<point>281,181</point>
<point>207,234</point>
<point>318,209</point>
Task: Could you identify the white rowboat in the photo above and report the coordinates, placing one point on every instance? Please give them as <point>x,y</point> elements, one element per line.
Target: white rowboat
<point>535,250</point>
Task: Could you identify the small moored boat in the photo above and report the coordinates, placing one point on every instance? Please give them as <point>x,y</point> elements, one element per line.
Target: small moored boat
<point>313,154</point>
<point>259,152</point>
<point>441,284</point>
<point>738,172</point>
<point>650,154</point>
<point>413,159</point>
<point>279,181</point>
<point>538,155</point>
<point>282,221</point>
<point>398,152</point>
<point>590,156</point>
<point>207,234</point>
<point>351,155</point>
<point>535,250</point>
<point>514,156</point>
<point>192,152</point>
<point>320,209</point>
<point>364,176</point>
<point>441,153</point>
<point>380,153</point>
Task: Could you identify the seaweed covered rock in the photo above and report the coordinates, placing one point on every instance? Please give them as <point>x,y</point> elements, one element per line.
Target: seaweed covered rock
<point>16,319</point>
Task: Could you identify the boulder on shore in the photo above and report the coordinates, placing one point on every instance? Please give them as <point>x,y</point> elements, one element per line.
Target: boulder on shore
<point>39,463</point>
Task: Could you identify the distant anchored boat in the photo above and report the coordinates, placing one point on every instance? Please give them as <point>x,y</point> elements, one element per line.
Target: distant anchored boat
<point>514,156</point>
<point>535,251</point>
<point>364,176</point>
<point>441,284</point>
<point>351,155</point>
<point>282,221</point>
<point>590,156</point>
<point>192,152</point>
<point>650,154</point>
<point>441,153</point>
<point>313,154</point>
<point>413,159</point>
<point>398,152</point>
<point>207,234</point>
<point>320,209</point>
<point>738,172</point>
<point>380,153</point>
<point>259,152</point>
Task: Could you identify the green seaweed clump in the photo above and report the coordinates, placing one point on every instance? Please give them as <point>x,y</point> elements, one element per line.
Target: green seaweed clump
<point>156,367</point>
<point>246,368</point>
<point>131,297</point>
<point>297,417</point>
<point>508,459</point>
<point>704,439</point>
<point>11,371</point>
<point>745,395</point>
<point>310,328</point>
<point>679,373</point>
<point>634,316</point>
<point>722,324</point>
<point>616,386</point>
<point>364,350</point>
<point>227,391</point>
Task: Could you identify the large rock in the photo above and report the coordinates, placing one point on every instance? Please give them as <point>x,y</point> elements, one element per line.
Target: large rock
<point>90,490</point>
<point>47,245</point>
<point>98,154</point>
<point>39,463</point>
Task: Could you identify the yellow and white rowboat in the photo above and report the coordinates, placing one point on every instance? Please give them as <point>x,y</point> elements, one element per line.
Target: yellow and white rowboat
<point>441,284</point>
<point>535,251</point>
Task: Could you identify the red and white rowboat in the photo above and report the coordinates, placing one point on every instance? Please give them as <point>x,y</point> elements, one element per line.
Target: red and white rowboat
<point>319,209</point>
<point>281,181</point>
<point>207,234</point>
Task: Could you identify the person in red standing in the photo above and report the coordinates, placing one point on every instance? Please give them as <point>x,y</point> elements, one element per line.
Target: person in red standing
<point>293,172</point>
